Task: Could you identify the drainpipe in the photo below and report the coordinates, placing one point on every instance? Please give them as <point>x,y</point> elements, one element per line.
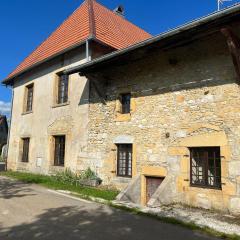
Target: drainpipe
<point>88,50</point>
<point>9,128</point>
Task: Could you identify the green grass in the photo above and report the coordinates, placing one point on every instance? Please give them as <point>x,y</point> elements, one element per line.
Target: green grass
<point>50,182</point>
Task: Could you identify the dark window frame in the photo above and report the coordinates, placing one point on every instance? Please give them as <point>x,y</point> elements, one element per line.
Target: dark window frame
<point>125,99</point>
<point>59,150</point>
<point>62,88</point>
<point>25,149</point>
<point>128,149</point>
<point>204,163</point>
<point>29,97</point>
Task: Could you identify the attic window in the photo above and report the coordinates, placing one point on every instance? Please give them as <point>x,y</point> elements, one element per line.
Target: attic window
<point>125,103</point>
<point>63,81</point>
<point>29,99</point>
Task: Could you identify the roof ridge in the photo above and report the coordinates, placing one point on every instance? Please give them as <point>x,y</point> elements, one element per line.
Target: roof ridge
<point>125,19</point>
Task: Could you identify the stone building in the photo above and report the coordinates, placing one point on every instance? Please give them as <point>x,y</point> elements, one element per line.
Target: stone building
<point>50,109</point>
<point>164,125</point>
<point>3,132</point>
<point>158,119</point>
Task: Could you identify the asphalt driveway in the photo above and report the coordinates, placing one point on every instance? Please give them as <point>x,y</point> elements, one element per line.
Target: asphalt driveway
<point>32,212</point>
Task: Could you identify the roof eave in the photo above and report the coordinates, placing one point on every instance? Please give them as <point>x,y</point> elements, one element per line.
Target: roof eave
<point>84,68</point>
<point>9,81</point>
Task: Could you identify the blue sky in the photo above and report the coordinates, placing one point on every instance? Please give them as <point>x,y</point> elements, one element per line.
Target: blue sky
<point>25,24</point>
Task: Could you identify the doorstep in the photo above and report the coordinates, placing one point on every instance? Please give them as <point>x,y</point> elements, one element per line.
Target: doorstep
<point>217,221</point>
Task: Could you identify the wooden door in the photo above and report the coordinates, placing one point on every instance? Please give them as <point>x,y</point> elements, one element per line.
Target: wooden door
<point>152,184</point>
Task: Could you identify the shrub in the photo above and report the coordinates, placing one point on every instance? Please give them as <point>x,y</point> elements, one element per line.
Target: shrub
<point>89,175</point>
<point>68,177</point>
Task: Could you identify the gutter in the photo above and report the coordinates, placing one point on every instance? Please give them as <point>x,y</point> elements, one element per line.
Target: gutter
<point>9,81</point>
<point>203,20</point>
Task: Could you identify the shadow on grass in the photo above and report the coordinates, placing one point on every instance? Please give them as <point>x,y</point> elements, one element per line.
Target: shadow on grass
<point>96,222</point>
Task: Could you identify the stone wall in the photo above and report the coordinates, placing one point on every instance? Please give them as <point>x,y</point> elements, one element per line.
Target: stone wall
<point>182,97</point>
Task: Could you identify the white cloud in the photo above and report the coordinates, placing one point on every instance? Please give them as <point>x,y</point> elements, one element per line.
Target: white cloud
<point>5,108</point>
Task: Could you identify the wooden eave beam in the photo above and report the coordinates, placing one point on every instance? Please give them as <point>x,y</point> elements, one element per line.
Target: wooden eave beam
<point>233,43</point>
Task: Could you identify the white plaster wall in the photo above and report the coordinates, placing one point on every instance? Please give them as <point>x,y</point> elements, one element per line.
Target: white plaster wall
<point>46,120</point>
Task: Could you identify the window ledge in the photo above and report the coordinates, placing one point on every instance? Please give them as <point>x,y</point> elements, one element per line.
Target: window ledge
<point>120,117</point>
<point>58,166</point>
<point>122,179</point>
<point>25,113</point>
<point>206,187</point>
<point>61,105</point>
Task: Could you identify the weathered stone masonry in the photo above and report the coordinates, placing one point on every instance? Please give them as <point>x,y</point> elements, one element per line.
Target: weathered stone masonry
<point>182,97</point>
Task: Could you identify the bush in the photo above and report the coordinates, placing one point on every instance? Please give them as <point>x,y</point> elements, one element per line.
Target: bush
<point>89,175</point>
<point>69,177</point>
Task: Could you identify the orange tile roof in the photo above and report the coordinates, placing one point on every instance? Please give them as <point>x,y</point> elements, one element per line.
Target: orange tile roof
<point>91,19</point>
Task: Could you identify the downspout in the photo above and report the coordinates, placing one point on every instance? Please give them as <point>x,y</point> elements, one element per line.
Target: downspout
<point>9,129</point>
<point>88,51</point>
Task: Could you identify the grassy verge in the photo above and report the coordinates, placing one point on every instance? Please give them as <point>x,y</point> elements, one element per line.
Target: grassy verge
<point>50,182</point>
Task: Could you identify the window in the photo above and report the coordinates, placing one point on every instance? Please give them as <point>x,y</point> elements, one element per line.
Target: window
<point>59,153</point>
<point>63,89</point>
<point>124,160</point>
<point>126,103</point>
<point>206,167</point>
<point>29,99</point>
<point>25,153</point>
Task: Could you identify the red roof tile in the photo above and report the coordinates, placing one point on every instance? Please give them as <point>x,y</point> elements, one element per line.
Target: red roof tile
<point>91,19</point>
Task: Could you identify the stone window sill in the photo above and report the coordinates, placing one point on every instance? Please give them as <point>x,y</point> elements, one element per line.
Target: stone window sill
<point>122,179</point>
<point>123,117</point>
<point>26,113</point>
<point>57,166</point>
<point>61,105</point>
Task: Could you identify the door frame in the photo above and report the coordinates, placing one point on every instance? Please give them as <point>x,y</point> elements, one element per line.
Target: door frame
<point>150,171</point>
<point>146,186</point>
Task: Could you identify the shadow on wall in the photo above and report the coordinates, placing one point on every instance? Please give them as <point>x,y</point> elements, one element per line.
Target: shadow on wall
<point>199,64</point>
<point>11,189</point>
<point>100,223</point>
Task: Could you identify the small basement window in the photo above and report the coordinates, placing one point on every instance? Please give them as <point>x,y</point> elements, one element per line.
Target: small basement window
<point>124,160</point>
<point>206,167</point>
<point>125,103</point>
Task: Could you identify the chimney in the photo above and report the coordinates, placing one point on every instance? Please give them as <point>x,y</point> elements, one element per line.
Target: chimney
<point>119,10</point>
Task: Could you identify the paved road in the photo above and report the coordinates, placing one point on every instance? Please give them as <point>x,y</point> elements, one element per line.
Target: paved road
<point>31,212</point>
